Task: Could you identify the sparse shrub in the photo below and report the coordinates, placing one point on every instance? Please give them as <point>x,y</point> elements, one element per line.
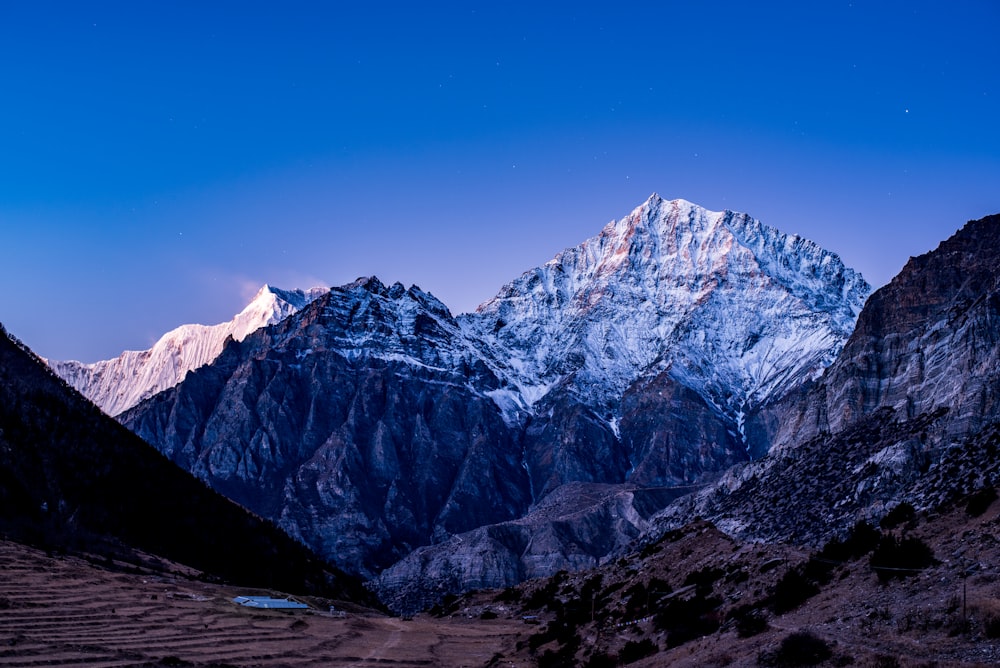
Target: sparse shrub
<point>601,660</point>
<point>861,540</point>
<point>801,648</point>
<point>557,659</point>
<point>508,595</point>
<point>792,590</point>
<point>687,620</point>
<point>637,598</point>
<point>900,558</point>
<point>488,614</point>
<point>577,610</point>
<point>904,512</point>
<point>818,570</point>
<point>536,640</point>
<point>591,586</point>
<point>749,621</point>
<point>637,649</point>
<point>957,627</point>
<point>445,607</point>
<point>564,634</point>
<point>704,578</point>
<point>991,626</point>
<point>659,587</point>
<point>541,597</point>
<point>980,501</point>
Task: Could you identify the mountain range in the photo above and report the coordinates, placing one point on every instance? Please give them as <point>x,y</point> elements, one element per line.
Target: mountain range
<point>681,373</point>
<point>866,536</point>
<point>372,422</point>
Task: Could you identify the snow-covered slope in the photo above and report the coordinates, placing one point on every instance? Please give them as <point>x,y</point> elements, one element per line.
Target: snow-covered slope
<point>120,383</point>
<point>733,309</point>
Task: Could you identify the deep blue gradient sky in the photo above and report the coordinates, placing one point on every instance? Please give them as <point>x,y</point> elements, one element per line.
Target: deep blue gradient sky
<point>161,160</point>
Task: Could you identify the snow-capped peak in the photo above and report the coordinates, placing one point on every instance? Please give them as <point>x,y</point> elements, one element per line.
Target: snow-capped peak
<point>120,383</point>
<point>734,309</point>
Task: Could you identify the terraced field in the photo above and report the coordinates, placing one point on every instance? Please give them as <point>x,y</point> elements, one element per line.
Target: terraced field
<point>64,611</point>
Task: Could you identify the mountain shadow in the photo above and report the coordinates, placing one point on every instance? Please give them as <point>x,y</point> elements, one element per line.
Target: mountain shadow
<point>71,478</point>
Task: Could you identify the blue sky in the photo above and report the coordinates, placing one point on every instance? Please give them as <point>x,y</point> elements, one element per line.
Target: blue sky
<point>159,161</point>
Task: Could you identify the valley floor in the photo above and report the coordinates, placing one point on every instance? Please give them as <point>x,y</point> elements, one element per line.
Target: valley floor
<point>68,611</point>
<point>64,611</point>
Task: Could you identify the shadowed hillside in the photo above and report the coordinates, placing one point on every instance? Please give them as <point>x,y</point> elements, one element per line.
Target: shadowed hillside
<point>73,479</point>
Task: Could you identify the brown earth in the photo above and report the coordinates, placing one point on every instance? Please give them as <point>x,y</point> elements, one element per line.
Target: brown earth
<point>66,611</point>
<point>921,620</point>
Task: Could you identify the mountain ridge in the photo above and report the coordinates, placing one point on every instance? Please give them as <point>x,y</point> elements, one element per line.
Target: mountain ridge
<point>659,266</point>
<point>373,421</point>
<point>118,384</point>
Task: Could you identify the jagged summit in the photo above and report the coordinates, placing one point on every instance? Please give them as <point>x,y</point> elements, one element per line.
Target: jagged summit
<point>117,384</point>
<point>394,292</point>
<point>367,319</point>
<point>734,308</point>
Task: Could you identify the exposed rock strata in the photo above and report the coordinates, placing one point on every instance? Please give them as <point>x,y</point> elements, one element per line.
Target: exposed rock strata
<point>896,418</point>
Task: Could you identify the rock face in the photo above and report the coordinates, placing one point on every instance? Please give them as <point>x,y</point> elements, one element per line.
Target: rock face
<point>668,287</point>
<point>722,313</point>
<point>355,425</point>
<point>926,341</point>
<point>907,413</point>
<point>118,384</point>
<point>372,422</point>
<point>575,527</point>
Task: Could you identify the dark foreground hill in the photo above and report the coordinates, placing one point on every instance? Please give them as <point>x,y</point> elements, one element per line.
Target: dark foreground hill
<point>914,594</point>
<point>73,479</point>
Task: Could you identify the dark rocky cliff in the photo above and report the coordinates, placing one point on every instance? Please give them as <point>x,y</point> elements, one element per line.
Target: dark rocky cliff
<point>363,457</point>
<point>907,412</point>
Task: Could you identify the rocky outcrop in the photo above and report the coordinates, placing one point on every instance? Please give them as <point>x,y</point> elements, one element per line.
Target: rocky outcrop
<point>673,434</point>
<point>914,392</point>
<point>928,340</point>
<point>576,527</point>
